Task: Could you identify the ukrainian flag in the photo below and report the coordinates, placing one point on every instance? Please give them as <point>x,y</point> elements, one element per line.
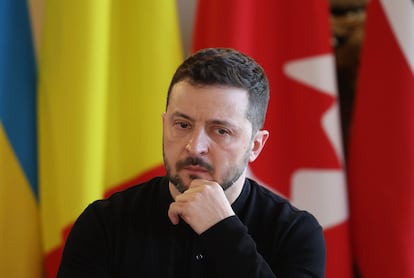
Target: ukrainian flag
<point>20,246</point>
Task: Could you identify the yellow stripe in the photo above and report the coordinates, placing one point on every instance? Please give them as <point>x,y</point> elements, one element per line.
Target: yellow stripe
<point>20,246</point>
<point>71,96</point>
<point>104,70</point>
<point>145,50</point>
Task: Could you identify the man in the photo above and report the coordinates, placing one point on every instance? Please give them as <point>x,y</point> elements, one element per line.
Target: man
<point>205,218</point>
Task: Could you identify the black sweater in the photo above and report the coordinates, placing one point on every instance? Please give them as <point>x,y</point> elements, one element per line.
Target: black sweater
<point>130,235</point>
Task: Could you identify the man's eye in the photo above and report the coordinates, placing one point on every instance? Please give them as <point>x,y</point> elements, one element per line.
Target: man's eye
<point>181,125</point>
<point>222,131</point>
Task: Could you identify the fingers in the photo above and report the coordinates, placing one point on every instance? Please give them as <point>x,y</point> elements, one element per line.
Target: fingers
<point>174,215</point>
<point>178,210</point>
<point>201,206</point>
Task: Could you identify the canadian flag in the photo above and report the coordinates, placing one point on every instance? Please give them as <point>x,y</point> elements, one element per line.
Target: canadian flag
<point>381,158</point>
<point>303,158</point>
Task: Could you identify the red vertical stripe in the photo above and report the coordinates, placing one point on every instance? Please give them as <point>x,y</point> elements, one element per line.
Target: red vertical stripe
<point>381,159</point>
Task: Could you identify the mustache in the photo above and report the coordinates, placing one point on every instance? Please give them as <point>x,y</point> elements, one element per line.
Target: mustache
<point>193,161</point>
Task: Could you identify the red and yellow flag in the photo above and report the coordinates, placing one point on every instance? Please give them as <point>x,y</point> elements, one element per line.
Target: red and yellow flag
<point>104,71</point>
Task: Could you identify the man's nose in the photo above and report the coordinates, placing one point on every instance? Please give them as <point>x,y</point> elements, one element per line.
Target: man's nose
<point>198,143</point>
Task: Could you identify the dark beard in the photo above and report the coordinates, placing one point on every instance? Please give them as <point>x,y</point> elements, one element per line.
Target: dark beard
<point>189,161</point>
<point>232,175</point>
<point>177,181</point>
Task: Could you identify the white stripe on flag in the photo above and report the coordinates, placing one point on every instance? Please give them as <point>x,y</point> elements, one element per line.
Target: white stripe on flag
<point>400,15</point>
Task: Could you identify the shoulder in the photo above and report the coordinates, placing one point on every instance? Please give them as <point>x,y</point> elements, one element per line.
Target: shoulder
<point>284,231</point>
<point>132,199</point>
<point>274,206</point>
<point>142,190</point>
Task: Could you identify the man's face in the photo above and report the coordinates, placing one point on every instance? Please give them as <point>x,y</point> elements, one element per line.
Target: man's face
<point>206,135</point>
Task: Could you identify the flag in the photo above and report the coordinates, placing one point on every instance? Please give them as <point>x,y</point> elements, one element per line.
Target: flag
<point>381,150</point>
<point>20,244</point>
<point>303,158</point>
<point>104,71</point>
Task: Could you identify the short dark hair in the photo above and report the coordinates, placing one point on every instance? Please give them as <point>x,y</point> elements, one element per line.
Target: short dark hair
<point>228,67</point>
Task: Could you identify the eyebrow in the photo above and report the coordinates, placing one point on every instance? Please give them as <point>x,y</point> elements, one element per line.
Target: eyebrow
<point>182,115</point>
<point>215,121</point>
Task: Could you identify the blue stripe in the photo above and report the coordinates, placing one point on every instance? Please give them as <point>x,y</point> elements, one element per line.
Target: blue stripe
<point>18,85</point>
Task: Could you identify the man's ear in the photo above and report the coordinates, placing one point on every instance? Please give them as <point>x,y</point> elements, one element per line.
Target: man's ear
<point>258,143</point>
